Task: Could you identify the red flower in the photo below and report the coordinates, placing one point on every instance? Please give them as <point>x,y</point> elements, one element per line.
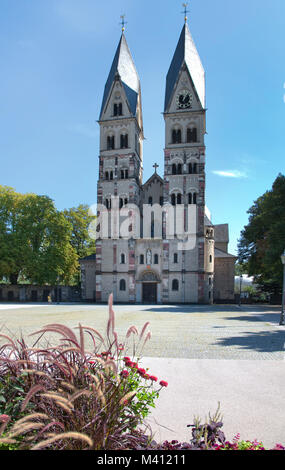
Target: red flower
<point>141,371</point>
<point>163,383</point>
<point>146,376</point>
<point>127,358</point>
<point>153,378</point>
<point>129,364</point>
<point>125,373</point>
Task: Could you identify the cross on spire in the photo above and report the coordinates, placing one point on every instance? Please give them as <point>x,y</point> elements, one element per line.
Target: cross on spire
<point>155,166</point>
<point>123,22</point>
<point>185,5</point>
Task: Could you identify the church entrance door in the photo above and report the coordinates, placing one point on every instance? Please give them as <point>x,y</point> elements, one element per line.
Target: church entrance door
<point>149,292</point>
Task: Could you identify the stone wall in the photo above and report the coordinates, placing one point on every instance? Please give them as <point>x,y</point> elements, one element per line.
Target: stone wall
<point>30,293</point>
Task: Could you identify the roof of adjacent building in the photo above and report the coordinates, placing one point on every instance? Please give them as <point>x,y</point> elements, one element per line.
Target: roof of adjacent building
<point>88,258</point>
<point>223,254</point>
<point>186,53</point>
<point>123,67</point>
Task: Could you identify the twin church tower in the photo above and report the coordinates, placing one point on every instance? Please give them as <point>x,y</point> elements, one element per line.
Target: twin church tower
<point>156,267</point>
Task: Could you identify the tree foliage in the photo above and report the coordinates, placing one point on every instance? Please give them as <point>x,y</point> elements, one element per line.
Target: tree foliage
<point>80,220</point>
<point>263,240</point>
<point>34,240</point>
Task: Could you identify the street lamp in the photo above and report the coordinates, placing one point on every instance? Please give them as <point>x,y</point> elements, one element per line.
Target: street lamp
<point>283,290</point>
<point>240,284</point>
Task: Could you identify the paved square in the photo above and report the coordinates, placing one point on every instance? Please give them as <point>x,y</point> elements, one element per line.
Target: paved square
<point>178,331</point>
<point>207,354</point>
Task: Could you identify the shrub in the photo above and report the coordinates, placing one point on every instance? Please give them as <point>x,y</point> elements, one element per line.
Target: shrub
<point>71,398</point>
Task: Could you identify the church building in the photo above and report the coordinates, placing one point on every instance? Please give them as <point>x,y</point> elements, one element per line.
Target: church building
<point>148,262</point>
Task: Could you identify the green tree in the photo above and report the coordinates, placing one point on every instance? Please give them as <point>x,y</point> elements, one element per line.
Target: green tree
<point>263,240</point>
<point>34,240</point>
<point>79,219</point>
<point>81,242</point>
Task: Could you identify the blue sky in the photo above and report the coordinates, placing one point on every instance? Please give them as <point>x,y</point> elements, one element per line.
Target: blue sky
<point>55,57</point>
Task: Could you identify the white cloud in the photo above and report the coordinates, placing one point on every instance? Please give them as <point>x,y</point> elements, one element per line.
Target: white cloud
<point>230,173</point>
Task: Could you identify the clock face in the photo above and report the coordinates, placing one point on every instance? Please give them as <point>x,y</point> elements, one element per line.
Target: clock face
<point>184,99</point>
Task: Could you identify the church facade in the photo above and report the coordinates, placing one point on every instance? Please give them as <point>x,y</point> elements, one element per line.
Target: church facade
<point>155,242</point>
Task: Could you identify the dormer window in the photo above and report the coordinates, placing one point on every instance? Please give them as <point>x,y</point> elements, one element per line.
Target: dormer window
<point>118,109</point>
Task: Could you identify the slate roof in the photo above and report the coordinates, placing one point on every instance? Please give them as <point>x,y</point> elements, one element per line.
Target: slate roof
<point>88,258</point>
<point>223,254</point>
<point>186,53</point>
<point>123,66</point>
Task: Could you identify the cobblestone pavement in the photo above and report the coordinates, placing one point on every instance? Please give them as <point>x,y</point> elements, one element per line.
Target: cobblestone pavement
<point>178,331</point>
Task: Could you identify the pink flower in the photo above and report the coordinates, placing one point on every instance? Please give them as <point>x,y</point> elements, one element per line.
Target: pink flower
<point>4,418</point>
<point>153,378</point>
<point>163,383</point>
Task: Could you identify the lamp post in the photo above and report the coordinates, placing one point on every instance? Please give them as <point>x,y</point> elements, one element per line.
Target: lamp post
<point>283,290</point>
<point>240,284</point>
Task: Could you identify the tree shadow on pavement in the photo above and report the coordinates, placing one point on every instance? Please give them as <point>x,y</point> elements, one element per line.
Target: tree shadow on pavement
<point>270,317</point>
<point>261,341</point>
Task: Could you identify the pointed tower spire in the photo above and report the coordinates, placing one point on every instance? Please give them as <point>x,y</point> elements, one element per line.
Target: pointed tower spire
<point>185,54</point>
<point>123,68</point>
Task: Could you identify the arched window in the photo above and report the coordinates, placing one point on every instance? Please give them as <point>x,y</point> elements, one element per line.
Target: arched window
<point>124,174</point>
<point>123,258</point>
<point>179,169</point>
<point>141,259</point>
<point>175,258</point>
<point>179,198</point>
<point>156,258</point>
<point>152,225</point>
<point>174,169</point>
<point>150,200</point>
<point>173,199</point>
<point>111,175</point>
<point>122,285</point>
<point>110,142</point>
<point>124,141</point>
<point>175,285</point>
<point>121,203</point>
<point>191,135</point>
<point>176,136</point>
<point>195,168</point>
<point>190,198</point>
<point>194,198</point>
<point>190,169</point>
<point>210,259</point>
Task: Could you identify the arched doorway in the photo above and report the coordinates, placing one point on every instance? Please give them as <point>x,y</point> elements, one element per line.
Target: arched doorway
<point>149,281</point>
